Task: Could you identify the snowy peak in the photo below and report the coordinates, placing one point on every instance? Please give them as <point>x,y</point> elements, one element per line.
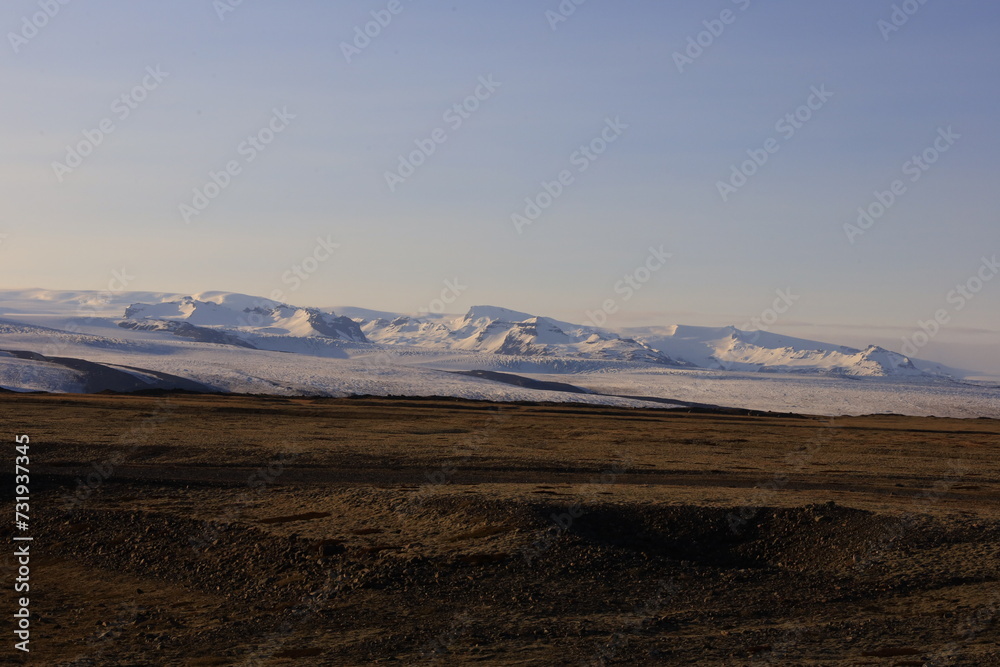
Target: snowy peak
<point>732,349</point>
<point>886,362</point>
<point>187,309</point>
<point>240,320</point>
<point>482,315</point>
<point>494,330</point>
<point>241,316</point>
<point>331,326</point>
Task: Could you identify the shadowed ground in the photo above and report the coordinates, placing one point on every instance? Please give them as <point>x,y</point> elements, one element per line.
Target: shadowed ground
<point>191,529</point>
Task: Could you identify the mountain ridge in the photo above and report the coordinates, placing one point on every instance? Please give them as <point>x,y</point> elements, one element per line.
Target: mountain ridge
<point>242,320</point>
<point>82,341</point>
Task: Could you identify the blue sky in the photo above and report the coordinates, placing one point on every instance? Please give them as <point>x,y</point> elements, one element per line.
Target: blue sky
<point>656,184</point>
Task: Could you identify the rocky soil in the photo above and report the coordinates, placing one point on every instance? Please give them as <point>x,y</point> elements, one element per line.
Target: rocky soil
<point>206,530</point>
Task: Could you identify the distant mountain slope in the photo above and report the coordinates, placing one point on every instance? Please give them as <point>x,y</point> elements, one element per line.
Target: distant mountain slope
<point>186,330</point>
<point>501,331</point>
<point>245,321</point>
<point>731,349</point>
<point>80,341</point>
<point>29,371</point>
<point>235,319</point>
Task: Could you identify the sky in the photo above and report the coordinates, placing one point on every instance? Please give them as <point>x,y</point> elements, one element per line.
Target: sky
<point>650,163</point>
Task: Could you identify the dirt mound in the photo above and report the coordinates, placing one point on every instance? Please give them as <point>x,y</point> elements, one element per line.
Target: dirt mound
<point>816,536</point>
<point>620,581</point>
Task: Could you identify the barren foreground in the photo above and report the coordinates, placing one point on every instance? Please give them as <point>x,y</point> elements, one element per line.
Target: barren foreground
<point>211,530</point>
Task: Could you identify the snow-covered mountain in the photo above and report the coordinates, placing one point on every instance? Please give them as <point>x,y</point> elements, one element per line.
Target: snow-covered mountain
<point>501,331</point>
<point>729,348</point>
<point>239,320</point>
<point>238,314</point>
<point>223,341</point>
